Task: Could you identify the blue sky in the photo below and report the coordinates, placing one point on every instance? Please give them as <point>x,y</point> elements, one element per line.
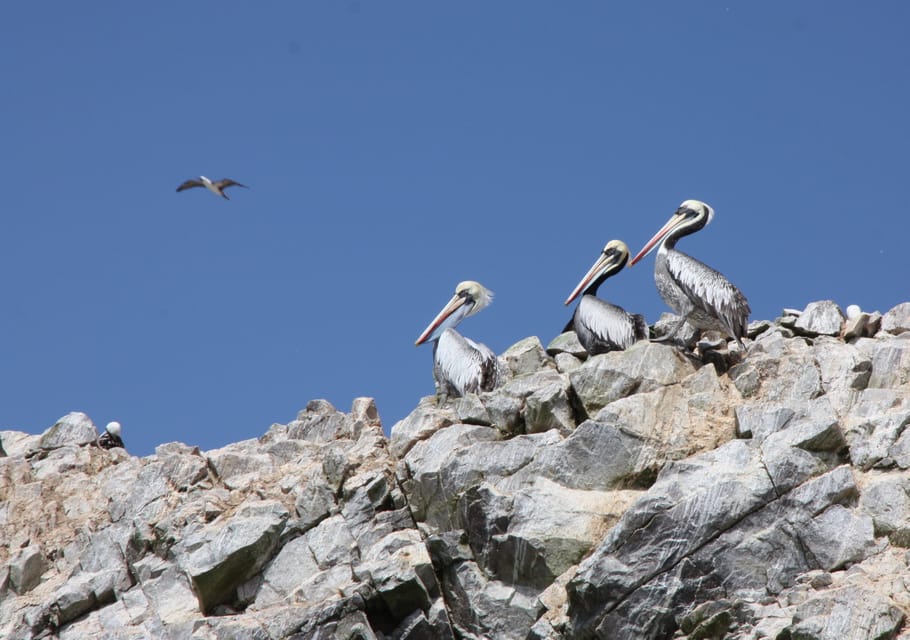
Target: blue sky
<point>392,150</point>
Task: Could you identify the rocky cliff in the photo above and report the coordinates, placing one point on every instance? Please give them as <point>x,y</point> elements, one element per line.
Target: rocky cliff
<point>637,494</point>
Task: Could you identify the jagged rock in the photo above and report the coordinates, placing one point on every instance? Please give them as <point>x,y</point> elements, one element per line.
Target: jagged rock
<point>687,334</point>
<point>778,370</point>
<point>419,425</point>
<point>16,443</point>
<point>74,428</point>
<point>526,356</point>
<point>26,568</point>
<point>897,319</point>
<point>677,420</point>
<point>644,366</point>
<point>566,362</point>
<point>875,427</point>
<point>494,515</point>
<point>891,363</point>
<point>886,499</point>
<point>820,318</point>
<point>567,343</point>
<point>222,556</point>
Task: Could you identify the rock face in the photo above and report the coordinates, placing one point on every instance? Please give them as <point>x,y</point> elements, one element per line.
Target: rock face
<point>637,494</point>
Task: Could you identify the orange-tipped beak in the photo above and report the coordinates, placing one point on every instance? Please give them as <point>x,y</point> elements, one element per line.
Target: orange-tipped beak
<point>450,308</point>
<point>674,220</point>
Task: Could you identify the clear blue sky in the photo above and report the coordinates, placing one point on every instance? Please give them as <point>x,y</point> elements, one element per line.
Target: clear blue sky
<point>392,150</point>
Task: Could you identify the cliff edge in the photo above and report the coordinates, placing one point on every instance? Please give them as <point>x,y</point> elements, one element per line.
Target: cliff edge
<point>637,494</point>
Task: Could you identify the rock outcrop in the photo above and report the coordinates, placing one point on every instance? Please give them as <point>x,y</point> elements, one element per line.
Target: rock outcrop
<point>639,494</point>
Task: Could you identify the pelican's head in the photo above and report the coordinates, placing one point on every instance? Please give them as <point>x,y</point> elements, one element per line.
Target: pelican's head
<point>205,180</point>
<point>475,294</point>
<point>693,208</point>
<point>611,261</point>
<point>688,218</point>
<point>113,428</point>
<point>470,297</point>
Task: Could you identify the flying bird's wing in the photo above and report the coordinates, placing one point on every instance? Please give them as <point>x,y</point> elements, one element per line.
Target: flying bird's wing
<point>227,182</point>
<point>189,184</point>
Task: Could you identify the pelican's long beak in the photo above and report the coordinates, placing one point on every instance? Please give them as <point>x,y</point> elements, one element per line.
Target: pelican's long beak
<point>453,305</point>
<point>603,263</point>
<point>675,219</point>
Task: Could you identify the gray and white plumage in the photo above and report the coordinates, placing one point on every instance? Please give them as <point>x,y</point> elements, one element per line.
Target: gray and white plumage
<point>111,436</point>
<point>216,187</point>
<point>697,293</point>
<point>461,365</point>
<point>599,325</point>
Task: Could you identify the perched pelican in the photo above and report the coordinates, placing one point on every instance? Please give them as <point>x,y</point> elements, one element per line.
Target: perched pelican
<point>111,436</point>
<point>695,291</point>
<point>215,187</point>
<point>602,326</point>
<point>461,365</point>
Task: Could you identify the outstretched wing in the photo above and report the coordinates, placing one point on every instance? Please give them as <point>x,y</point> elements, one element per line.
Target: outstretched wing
<point>189,184</point>
<point>227,182</point>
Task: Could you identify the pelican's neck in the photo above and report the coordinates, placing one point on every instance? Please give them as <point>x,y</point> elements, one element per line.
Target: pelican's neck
<point>591,289</point>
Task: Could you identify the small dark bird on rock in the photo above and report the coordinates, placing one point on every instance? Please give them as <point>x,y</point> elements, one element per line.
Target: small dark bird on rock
<point>111,436</point>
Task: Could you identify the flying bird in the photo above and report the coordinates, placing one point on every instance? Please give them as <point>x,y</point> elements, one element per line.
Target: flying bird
<point>111,436</point>
<point>461,365</point>
<point>599,325</point>
<point>695,291</point>
<point>215,187</point>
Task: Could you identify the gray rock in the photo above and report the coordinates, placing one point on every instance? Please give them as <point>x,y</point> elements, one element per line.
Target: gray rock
<point>74,428</point>
<point>566,362</point>
<point>760,419</point>
<point>687,335</point>
<point>525,356</point>
<point>820,318</point>
<point>739,513</point>
<point>224,555</point>
<point>644,366</point>
<point>886,499</point>
<point>289,569</point>
<point>846,613</point>
<point>891,363</point>
<point>26,569</point>
<point>897,319</point>
<point>319,422</point>
<point>16,443</point>
<point>837,536</point>
<point>567,343</point>
<point>419,425</point>
<point>876,422</point>
<point>778,370</point>
<point>471,410</point>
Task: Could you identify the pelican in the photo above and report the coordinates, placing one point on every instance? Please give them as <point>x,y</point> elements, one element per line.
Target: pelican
<point>695,291</point>
<point>461,365</point>
<point>215,187</point>
<point>602,326</point>
<point>111,436</point>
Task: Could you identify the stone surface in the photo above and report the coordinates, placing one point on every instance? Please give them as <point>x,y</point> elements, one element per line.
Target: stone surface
<point>820,318</point>
<point>897,319</point>
<point>645,494</point>
<point>75,428</point>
